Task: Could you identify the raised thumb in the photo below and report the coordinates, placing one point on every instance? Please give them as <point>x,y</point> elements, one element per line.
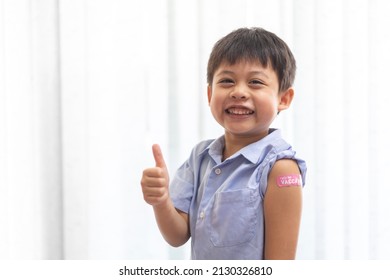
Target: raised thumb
<point>158,156</point>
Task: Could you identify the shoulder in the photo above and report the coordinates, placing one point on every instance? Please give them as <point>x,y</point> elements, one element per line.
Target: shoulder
<point>279,159</point>
<point>284,166</point>
<point>282,159</point>
<point>202,145</point>
<point>284,178</point>
<point>285,173</point>
<point>197,154</point>
<point>210,146</point>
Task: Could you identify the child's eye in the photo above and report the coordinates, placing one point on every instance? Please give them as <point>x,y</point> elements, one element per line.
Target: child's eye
<point>226,81</point>
<point>256,82</point>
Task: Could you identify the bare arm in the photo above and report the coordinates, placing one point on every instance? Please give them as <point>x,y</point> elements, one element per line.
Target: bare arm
<point>173,224</point>
<point>282,210</point>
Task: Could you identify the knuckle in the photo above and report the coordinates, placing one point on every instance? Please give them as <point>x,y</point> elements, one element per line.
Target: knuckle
<point>161,192</point>
<point>145,172</point>
<point>159,172</point>
<point>161,182</point>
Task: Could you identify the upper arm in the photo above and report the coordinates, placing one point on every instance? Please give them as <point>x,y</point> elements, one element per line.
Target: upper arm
<point>282,213</point>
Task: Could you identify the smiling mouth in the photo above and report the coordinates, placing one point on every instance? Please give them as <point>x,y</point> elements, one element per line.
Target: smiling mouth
<point>239,111</point>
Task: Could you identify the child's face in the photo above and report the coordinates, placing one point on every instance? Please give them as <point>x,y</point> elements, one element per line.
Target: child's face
<point>244,98</point>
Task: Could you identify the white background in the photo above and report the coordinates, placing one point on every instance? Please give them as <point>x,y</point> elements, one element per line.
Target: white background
<point>86,86</point>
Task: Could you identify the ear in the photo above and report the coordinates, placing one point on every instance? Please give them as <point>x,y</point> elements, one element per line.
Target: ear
<point>209,92</point>
<point>285,99</point>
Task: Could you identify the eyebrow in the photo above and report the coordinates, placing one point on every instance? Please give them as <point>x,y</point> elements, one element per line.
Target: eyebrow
<point>224,72</point>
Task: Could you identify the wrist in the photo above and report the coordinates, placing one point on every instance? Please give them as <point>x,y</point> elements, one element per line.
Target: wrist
<point>165,205</point>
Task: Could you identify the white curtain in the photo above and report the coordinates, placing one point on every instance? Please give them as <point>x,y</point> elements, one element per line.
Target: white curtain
<point>87,86</point>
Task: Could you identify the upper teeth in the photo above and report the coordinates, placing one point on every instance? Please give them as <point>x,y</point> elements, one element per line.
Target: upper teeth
<point>239,111</point>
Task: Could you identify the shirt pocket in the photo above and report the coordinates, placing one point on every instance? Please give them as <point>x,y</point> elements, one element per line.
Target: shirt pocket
<point>234,216</point>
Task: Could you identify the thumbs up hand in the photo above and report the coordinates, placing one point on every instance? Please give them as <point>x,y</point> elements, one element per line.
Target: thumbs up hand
<point>155,180</point>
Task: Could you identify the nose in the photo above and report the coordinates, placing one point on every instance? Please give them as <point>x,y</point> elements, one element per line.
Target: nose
<point>239,92</point>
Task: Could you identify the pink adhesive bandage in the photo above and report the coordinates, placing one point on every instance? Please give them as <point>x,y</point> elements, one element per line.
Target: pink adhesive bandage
<point>289,180</point>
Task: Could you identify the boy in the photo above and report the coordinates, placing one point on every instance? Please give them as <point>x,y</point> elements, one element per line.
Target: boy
<point>238,196</point>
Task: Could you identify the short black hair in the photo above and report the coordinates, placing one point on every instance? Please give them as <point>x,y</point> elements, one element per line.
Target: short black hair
<point>254,44</point>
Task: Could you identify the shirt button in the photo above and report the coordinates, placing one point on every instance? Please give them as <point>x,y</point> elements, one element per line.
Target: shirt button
<point>201,215</point>
<point>217,171</point>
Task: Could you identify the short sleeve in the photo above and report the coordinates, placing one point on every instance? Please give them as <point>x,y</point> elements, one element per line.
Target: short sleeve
<point>269,162</point>
<point>182,187</point>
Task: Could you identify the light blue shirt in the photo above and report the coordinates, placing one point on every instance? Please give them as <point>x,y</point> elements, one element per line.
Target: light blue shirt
<point>224,200</point>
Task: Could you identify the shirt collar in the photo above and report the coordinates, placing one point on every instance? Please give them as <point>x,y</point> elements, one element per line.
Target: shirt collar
<point>250,152</point>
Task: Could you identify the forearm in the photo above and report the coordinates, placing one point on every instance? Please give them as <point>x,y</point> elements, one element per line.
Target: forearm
<point>173,225</point>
